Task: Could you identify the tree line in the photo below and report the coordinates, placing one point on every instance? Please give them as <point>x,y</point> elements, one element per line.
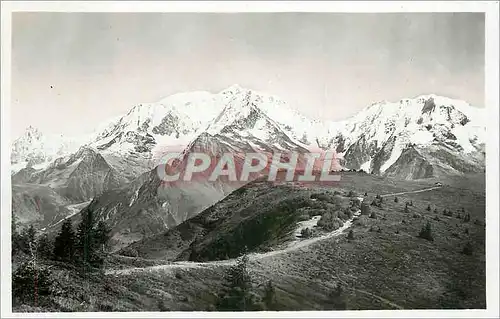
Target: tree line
<point>85,245</point>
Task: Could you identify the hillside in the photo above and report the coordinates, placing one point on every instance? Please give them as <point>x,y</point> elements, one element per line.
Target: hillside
<point>385,266</point>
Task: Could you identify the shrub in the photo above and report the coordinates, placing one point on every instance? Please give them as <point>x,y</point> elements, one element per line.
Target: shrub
<point>365,209</point>
<point>428,208</point>
<point>129,252</point>
<point>468,249</point>
<point>269,298</point>
<point>337,299</point>
<point>350,236</point>
<point>373,215</point>
<point>329,221</point>
<point>305,233</point>
<point>426,232</point>
<point>396,199</point>
<point>355,202</point>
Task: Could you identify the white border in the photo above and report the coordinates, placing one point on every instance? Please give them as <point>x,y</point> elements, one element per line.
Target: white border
<point>492,159</point>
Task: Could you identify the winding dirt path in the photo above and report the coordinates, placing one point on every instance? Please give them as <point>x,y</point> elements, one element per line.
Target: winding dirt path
<point>294,245</point>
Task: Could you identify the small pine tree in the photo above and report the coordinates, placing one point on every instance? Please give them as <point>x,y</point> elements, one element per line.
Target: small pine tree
<point>350,236</point>
<point>236,295</point>
<point>270,297</point>
<point>426,232</point>
<point>406,210</point>
<point>467,218</point>
<point>373,215</point>
<point>365,208</point>
<point>88,240</point>
<point>435,211</point>
<point>337,299</point>
<point>467,231</point>
<point>64,244</point>
<point>396,199</point>
<point>411,203</point>
<point>366,194</point>
<point>428,208</point>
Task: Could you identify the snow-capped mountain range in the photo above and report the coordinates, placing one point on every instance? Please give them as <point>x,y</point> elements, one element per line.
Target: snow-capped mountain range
<point>114,168</point>
<point>374,139</point>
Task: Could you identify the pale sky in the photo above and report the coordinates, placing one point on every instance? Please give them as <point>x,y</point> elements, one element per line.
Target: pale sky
<point>71,71</point>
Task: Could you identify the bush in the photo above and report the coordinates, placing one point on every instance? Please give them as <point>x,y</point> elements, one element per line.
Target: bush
<point>329,221</point>
<point>305,233</point>
<point>365,209</point>
<point>269,298</point>
<point>373,215</point>
<point>468,249</point>
<point>406,210</point>
<point>426,232</point>
<point>396,199</point>
<point>350,236</point>
<point>129,252</point>
<point>161,306</point>
<point>429,208</point>
<point>337,299</point>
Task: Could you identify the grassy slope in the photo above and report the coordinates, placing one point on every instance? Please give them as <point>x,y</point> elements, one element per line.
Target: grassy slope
<point>380,270</point>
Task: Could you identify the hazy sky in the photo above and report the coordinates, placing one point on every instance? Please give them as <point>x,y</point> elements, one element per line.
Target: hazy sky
<point>71,71</point>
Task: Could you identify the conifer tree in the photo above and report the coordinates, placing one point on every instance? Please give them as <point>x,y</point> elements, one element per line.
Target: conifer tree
<point>236,294</point>
<point>270,296</point>
<point>86,243</point>
<point>64,244</point>
<point>337,298</point>
<point>426,232</point>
